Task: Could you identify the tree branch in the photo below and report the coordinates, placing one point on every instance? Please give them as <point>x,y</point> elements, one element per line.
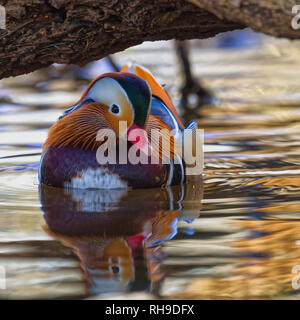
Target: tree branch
<point>42,32</point>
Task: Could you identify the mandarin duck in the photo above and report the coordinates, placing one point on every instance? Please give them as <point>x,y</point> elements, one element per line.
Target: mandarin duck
<point>70,157</point>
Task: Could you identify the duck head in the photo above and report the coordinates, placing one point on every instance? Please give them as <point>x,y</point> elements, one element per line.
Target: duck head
<point>109,99</point>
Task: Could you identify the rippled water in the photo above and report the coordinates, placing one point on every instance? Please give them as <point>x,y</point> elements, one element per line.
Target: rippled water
<point>236,234</point>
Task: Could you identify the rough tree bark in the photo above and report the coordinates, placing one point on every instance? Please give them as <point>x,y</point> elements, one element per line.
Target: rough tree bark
<point>41,32</point>
<point>269,16</point>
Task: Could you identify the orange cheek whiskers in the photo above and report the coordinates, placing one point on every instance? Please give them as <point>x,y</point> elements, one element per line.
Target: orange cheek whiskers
<point>79,128</point>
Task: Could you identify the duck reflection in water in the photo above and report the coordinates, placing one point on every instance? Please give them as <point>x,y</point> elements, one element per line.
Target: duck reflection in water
<point>117,234</point>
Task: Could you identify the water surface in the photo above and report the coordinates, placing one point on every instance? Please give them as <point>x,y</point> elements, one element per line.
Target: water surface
<point>236,234</point>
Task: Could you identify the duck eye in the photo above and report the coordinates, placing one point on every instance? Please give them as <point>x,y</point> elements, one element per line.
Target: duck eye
<point>115,109</point>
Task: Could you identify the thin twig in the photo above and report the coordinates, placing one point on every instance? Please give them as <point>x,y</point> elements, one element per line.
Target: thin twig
<point>7,34</point>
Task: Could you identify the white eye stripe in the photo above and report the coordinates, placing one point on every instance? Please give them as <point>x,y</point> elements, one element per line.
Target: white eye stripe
<point>108,91</point>
<point>115,109</point>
